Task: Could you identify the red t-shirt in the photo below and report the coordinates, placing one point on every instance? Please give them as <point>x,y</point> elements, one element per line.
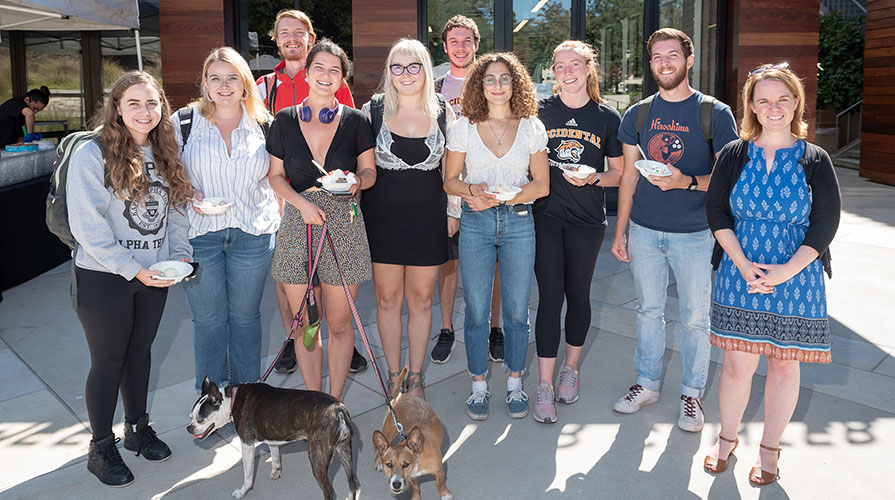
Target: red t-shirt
<point>291,91</point>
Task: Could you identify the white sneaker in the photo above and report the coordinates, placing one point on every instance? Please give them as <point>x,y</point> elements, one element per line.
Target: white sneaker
<point>636,397</point>
<point>692,418</point>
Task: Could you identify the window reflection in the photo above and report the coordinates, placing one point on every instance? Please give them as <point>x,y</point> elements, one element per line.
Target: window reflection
<point>538,27</point>
<point>439,11</point>
<point>53,58</point>
<point>697,18</point>
<point>615,28</point>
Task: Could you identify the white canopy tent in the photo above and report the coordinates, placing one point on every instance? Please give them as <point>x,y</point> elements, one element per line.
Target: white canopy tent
<point>72,15</point>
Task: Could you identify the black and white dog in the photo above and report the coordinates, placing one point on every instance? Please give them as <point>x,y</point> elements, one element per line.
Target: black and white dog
<point>265,414</point>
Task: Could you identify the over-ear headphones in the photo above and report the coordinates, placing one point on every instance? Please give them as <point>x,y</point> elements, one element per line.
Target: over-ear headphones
<point>326,115</point>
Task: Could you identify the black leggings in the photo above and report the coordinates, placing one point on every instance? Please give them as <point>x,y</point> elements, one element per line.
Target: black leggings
<point>120,319</point>
<point>564,264</point>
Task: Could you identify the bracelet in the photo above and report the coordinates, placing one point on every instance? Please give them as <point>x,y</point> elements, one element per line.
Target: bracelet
<point>469,188</point>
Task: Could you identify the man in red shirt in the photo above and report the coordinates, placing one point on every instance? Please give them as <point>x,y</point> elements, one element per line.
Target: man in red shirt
<point>294,35</point>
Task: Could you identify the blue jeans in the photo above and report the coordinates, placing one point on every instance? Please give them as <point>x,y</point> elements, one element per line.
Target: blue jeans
<point>225,302</point>
<point>485,236</point>
<point>690,256</point>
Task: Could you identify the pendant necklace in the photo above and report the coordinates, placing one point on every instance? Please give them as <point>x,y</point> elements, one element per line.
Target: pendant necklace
<point>505,127</point>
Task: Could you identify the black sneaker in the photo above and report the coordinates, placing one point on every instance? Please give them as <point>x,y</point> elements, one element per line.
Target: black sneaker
<point>286,362</point>
<point>441,353</point>
<point>358,363</point>
<point>104,462</point>
<point>495,344</point>
<point>141,438</point>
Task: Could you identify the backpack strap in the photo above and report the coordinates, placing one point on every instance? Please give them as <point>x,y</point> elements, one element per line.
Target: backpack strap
<point>377,111</point>
<point>439,84</point>
<point>706,107</point>
<point>270,80</point>
<point>442,115</point>
<point>642,112</point>
<point>185,116</point>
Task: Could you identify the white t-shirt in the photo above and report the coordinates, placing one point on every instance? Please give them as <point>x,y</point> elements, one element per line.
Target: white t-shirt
<point>511,169</point>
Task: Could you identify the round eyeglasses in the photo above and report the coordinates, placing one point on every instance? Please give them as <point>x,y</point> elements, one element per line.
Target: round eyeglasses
<point>492,80</point>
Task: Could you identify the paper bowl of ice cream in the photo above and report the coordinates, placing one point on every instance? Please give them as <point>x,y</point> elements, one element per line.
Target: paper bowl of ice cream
<point>213,205</point>
<point>650,167</point>
<point>172,270</point>
<point>577,171</point>
<point>338,181</point>
<point>504,193</point>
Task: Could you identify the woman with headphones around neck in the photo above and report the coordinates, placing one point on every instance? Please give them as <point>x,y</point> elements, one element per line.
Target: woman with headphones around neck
<point>335,137</point>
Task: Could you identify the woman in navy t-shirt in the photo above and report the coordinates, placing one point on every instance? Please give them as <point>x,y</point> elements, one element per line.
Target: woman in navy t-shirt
<point>571,221</point>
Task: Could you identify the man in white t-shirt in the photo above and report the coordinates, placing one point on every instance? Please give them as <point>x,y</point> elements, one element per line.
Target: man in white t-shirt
<point>460,39</point>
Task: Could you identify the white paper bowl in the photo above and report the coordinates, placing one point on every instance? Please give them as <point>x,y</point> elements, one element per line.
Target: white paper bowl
<point>504,193</point>
<point>331,184</point>
<point>213,205</point>
<point>578,171</point>
<point>650,167</point>
<point>168,267</point>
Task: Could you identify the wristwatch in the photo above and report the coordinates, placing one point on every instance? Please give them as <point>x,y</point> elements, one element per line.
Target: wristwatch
<point>596,181</point>
<point>694,183</point>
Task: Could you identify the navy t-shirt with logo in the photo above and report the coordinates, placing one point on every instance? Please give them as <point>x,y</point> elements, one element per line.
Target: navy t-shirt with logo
<point>672,134</point>
<point>583,136</point>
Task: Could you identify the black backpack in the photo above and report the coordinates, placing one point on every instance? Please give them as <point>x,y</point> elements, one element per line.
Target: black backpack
<point>185,117</point>
<point>57,209</point>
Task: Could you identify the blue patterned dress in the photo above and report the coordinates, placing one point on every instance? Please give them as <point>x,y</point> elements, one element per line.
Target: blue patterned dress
<point>770,213</point>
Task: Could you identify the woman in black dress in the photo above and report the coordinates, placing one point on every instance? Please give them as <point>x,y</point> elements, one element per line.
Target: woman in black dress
<point>406,212</point>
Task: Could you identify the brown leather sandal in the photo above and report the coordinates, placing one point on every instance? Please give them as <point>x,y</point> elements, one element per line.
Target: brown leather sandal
<point>715,465</point>
<point>409,386</point>
<point>393,388</point>
<point>761,477</point>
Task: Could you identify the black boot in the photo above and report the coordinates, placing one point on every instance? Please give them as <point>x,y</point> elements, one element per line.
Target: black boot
<point>106,464</point>
<point>144,441</point>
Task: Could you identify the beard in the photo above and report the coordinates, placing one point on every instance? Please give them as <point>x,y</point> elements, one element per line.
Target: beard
<point>680,74</point>
<point>293,54</point>
<point>468,63</point>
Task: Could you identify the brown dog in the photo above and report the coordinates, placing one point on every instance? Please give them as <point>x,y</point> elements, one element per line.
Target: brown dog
<point>420,454</point>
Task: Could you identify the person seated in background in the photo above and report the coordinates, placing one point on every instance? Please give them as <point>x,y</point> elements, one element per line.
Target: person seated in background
<point>19,112</point>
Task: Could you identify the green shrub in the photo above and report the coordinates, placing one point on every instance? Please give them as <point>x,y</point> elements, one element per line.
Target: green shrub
<point>840,75</point>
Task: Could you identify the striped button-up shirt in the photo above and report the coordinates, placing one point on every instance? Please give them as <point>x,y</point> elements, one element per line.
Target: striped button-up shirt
<point>240,176</point>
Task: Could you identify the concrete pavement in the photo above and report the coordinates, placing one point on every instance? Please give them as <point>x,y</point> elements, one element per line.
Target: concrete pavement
<point>837,446</point>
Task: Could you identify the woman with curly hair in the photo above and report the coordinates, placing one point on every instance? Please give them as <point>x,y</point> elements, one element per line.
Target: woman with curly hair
<point>500,147</point>
<point>225,156</point>
<point>126,204</point>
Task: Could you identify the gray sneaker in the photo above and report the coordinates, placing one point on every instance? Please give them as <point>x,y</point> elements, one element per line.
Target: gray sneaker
<point>545,408</point>
<point>517,403</point>
<point>567,389</point>
<point>636,397</point>
<point>477,405</point>
<point>692,418</point>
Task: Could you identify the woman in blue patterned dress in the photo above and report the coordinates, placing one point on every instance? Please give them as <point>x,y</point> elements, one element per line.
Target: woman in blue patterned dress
<point>773,205</point>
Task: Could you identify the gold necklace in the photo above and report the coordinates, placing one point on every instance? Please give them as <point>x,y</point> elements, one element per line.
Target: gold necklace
<point>505,127</point>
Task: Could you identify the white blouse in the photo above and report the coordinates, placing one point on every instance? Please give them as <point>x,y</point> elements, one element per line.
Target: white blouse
<point>240,176</point>
<point>511,169</point>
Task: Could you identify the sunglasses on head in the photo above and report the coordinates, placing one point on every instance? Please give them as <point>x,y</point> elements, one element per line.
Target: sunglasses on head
<point>412,68</point>
<point>765,67</point>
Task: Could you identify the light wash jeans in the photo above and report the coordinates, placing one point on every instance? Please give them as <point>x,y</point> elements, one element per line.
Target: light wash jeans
<point>485,236</point>
<point>225,302</point>
<point>690,256</point>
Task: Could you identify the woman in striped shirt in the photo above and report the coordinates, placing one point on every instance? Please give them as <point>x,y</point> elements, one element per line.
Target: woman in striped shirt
<point>225,156</point>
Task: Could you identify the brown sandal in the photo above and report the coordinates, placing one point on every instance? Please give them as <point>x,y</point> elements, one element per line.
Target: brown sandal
<point>393,388</point>
<point>761,477</point>
<point>715,465</point>
<point>409,386</point>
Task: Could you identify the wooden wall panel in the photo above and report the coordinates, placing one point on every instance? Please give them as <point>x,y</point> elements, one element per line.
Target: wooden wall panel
<point>753,41</point>
<point>878,115</point>
<point>189,30</point>
<point>376,25</point>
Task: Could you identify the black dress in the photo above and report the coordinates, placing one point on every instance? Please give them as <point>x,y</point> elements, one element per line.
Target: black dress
<point>406,210</point>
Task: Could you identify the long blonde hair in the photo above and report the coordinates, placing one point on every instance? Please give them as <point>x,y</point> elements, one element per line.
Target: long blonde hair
<point>125,172</point>
<point>750,128</point>
<point>252,101</point>
<point>417,51</point>
<point>589,53</point>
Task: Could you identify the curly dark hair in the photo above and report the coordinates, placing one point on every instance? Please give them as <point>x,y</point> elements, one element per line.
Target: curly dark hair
<point>523,103</point>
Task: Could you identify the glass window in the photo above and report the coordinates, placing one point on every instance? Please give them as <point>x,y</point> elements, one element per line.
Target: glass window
<point>54,59</point>
<point>697,18</point>
<point>119,48</point>
<point>480,11</point>
<point>538,27</point>
<point>5,72</point>
<point>615,29</point>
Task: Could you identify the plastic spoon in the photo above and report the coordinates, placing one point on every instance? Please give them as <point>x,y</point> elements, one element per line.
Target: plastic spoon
<point>641,152</point>
<point>321,169</point>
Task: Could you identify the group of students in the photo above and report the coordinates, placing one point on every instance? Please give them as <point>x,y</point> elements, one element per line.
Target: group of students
<point>428,173</point>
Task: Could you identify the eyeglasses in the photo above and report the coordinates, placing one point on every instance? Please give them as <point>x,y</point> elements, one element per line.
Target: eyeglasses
<point>217,80</point>
<point>765,67</point>
<point>492,80</point>
<point>412,68</point>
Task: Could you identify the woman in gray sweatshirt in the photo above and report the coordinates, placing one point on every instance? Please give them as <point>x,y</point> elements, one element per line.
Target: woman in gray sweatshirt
<point>127,193</point>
